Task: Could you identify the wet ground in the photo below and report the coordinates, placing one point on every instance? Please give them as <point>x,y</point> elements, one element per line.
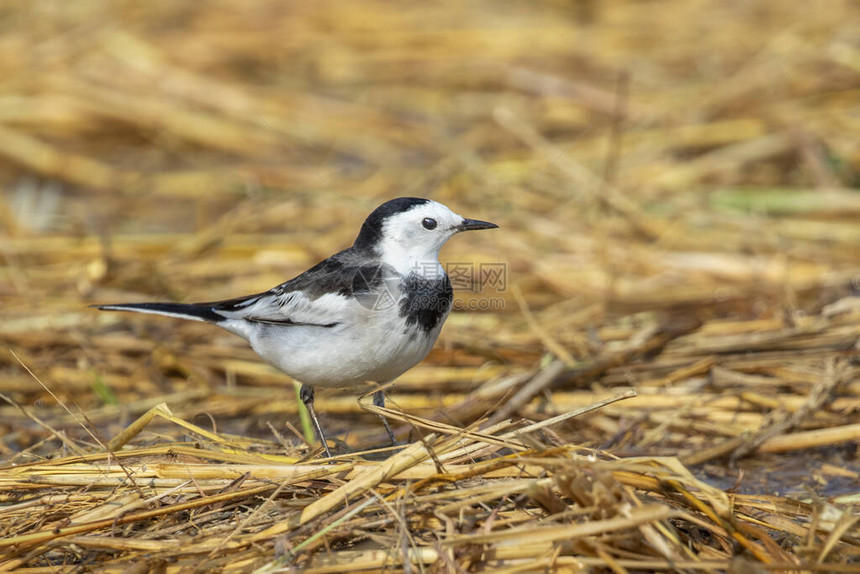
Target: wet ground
<point>826,473</point>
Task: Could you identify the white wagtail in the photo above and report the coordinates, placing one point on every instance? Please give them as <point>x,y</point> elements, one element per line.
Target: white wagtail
<point>366,314</point>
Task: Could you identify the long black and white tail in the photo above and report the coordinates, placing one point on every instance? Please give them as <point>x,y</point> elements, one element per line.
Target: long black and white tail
<point>194,312</point>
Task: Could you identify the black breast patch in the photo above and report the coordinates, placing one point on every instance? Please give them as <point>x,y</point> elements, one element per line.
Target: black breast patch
<point>426,301</point>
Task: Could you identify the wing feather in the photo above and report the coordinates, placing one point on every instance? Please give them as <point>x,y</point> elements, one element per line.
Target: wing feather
<point>318,297</point>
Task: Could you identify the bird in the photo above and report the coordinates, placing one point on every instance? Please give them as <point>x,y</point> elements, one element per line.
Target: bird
<point>366,314</point>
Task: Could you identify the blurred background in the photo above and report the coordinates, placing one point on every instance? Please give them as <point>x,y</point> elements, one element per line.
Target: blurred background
<point>675,182</point>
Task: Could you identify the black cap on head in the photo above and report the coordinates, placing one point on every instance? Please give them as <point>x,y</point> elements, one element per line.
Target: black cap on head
<point>371,229</point>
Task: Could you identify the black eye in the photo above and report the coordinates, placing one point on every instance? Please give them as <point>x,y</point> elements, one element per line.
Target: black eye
<point>428,223</point>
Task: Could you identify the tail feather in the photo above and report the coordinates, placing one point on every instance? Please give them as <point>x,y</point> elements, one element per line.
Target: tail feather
<point>194,312</point>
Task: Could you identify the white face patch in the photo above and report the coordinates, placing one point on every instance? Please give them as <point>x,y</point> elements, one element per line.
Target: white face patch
<point>415,237</point>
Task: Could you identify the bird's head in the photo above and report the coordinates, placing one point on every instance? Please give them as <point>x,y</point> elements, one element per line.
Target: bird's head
<point>407,231</point>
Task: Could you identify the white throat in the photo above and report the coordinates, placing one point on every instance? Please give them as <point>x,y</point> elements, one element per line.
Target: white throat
<point>408,259</point>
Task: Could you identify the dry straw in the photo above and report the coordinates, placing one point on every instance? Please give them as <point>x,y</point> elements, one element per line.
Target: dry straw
<point>217,500</point>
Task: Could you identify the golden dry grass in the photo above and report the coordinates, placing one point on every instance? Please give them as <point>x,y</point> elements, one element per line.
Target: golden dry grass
<point>676,184</point>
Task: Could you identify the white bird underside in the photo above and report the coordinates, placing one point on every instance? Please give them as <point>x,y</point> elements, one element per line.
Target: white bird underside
<point>333,341</point>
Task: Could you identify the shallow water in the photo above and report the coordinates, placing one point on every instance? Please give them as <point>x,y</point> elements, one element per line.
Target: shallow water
<point>827,473</point>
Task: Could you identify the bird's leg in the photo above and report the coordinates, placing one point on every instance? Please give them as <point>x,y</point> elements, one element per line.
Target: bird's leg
<point>307,395</point>
<point>379,401</point>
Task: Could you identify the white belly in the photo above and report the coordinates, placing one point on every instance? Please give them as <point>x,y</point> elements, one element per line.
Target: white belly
<point>371,346</point>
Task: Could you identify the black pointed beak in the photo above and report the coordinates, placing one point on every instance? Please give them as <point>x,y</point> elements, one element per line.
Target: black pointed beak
<point>474,224</point>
